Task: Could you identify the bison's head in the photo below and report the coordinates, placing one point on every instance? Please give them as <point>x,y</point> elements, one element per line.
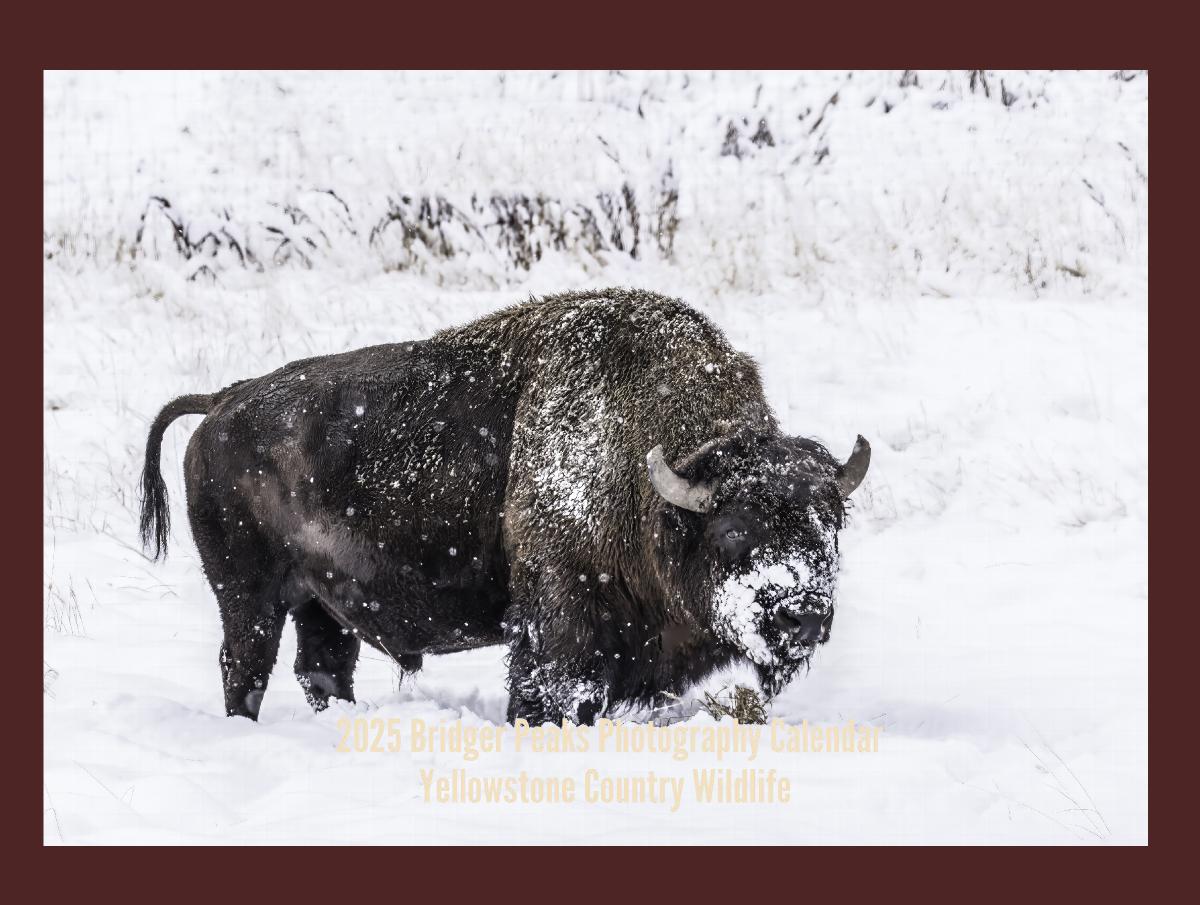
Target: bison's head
<point>762,543</point>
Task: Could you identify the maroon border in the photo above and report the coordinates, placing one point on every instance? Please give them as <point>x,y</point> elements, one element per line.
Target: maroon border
<point>506,35</point>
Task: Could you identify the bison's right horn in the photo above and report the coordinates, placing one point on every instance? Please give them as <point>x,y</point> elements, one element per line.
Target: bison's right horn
<point>676,490</point>
<point>852,473</point>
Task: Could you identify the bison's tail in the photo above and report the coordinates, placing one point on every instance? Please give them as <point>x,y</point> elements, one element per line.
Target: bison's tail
<point>156,515</point>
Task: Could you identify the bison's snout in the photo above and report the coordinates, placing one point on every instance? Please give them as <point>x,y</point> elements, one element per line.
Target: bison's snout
<point>810,628</point>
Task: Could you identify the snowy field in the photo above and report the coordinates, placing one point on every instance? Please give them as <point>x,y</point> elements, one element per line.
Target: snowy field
<point>952,264</point>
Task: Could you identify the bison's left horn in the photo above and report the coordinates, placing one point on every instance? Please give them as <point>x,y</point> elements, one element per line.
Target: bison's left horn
<point>674,489</point>
<point>852,473</point>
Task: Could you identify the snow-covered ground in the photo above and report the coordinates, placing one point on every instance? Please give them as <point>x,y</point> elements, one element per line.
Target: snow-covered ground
<point>953,265</point>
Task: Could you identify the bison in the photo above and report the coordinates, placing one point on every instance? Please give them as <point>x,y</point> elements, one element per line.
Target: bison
<point>594,479</point>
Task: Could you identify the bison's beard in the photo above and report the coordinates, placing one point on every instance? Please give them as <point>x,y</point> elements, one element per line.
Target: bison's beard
<point>774,677</point>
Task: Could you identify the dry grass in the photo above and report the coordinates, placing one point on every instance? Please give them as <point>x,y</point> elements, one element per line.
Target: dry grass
<point>743,704</point>
<point>62,613</point>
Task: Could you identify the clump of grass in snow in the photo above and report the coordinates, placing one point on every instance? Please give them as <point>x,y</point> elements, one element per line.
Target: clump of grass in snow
<point>62,612</point>
<point>743,704</point>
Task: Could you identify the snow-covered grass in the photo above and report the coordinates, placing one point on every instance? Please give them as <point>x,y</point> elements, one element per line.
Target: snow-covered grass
<point>962,279</point>
<point>869,183</point>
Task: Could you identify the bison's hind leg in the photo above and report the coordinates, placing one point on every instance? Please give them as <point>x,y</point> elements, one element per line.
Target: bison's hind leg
<point>252,616</point>
<point>246,574</point>
<point>326,655</point>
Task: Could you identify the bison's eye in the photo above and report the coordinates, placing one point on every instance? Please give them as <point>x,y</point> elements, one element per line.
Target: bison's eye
<point>732,540</point>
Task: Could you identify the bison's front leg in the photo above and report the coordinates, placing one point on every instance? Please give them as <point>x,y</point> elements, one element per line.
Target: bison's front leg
<point>549,691</point>
<point>555,671</point>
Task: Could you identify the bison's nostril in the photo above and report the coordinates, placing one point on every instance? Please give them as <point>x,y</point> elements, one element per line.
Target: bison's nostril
<point>786,620</point>
<point>807,627</point>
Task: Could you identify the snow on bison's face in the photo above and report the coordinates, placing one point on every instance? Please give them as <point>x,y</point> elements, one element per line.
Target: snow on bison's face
<point>772,508</point>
